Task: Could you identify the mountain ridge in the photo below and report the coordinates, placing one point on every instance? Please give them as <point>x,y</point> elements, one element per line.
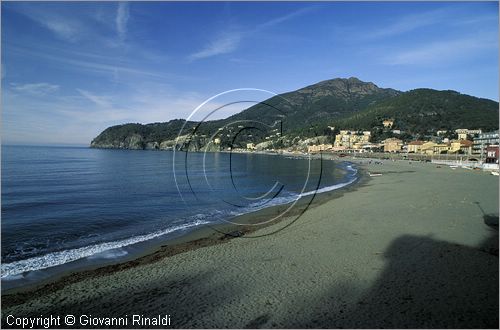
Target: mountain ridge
<point>346,103</point>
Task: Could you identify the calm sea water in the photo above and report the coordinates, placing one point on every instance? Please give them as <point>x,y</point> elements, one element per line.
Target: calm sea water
<point>61,204</point>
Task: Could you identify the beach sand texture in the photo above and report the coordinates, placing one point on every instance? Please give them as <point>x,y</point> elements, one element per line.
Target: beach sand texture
<point>410,248</point>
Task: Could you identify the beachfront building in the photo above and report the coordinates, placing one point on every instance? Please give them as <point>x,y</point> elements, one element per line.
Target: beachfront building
<point>352,139</point>
<point>371,147</point>
<point>461,146</point>
<point>318,148</point>
<point>441,148</point>
<point>415,147</point>
<point>492,154</point>
<point>392,145</point>
<point>483,140</point>
<point>388,123</point>
<point>428,148</point>
<point>455,146</point>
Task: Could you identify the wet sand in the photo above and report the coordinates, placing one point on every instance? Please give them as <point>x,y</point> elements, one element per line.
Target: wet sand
<point>416,247</point>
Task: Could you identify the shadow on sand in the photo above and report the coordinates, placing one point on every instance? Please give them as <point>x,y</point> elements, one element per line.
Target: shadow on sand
<point>426,283</point>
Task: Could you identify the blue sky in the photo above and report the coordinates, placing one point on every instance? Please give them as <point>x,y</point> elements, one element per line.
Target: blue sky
<point>69,70</point>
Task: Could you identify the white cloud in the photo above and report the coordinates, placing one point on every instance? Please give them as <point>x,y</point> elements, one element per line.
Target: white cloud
<point>439,52</point>
<point>228,42</point>
<point>281,19</point>
<point>81,23</point>
<point>101,101</point>
<point>442,16</point>
<point>72,118</point>
<point>62,26</point>
<point>65,30</point>
<point>35,89</point>
<point>98,64</point>
<point>122,16</point>
<point>222,45</point>
<point>409,23</point>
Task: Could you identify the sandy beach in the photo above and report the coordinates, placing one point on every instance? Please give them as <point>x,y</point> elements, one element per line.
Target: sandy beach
<point>415,247</point>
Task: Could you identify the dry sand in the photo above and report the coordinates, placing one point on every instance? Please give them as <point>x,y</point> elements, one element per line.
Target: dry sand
<point>409,248</point>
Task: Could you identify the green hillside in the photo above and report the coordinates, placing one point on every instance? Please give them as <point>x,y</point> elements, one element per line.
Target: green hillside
<point>311,111</point>
<point>426,110</point>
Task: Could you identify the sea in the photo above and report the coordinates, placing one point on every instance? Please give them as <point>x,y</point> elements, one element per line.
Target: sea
<point>77,205</point>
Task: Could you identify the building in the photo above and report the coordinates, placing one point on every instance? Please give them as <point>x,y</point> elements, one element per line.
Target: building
<point>352,139</point>
<point>492,154</point>
<point>392,145</point>
<point>461,146</point>
<point>441,148</point>
<point>368,146</point>
<point>441,132</point>
<point>427,148</point>
<point>388,122</point>
<point>464,132</point>
<point>319,148</point>
<point>433,148</point>
<point>251,146</point>
<point>483,140</point>
<point>475,131</point>
<point>217,140</point>
<point>415,147</point>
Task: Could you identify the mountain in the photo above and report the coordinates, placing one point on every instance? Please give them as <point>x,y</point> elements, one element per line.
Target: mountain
<point>290,118</point>
<point>318,103</point>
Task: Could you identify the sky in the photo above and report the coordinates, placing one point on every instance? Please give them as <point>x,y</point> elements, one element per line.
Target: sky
<point>71,69</point>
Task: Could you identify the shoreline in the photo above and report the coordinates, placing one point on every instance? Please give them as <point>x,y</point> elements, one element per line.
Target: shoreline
<point>416,247</point>
<point>158,248</point>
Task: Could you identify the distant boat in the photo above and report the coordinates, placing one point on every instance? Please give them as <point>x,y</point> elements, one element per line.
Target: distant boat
<point>453,167</point>
<point>494,173</point>
<point>374,174</point>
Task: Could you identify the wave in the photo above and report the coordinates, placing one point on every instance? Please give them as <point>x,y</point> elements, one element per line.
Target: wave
<point>353,176</point>
<point>63,257</point>
<point>14,270</point>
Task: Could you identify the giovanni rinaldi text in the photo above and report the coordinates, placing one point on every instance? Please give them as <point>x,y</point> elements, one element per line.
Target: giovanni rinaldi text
<point>86,320</point>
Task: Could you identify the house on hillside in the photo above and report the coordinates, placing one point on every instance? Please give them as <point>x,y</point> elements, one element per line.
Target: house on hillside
<point>388,123</point>
<point>464,132</point>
